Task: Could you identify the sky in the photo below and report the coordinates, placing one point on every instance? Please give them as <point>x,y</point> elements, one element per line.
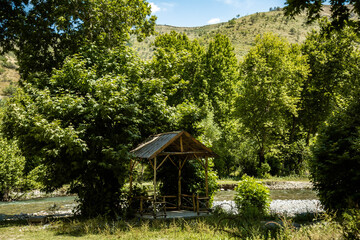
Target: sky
<point>192,13</point>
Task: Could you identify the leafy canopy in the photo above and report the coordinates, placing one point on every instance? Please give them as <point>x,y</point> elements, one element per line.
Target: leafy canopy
<point>271,81</point>
<point>335,167</point>
<point>43,33</point>
<point>84,123</point>
<point>341,11</point>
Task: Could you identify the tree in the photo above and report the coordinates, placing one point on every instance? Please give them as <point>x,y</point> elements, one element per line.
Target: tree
<point>220,75</point>
<point>206,77</point>
<point>82,126</point>
<point>334,169</point>
<point>43,33</point>
<point>333,60</point>
<point>341,11</point>
<point>177,61</point>
<point>271,79</point>
<point>200,83</point>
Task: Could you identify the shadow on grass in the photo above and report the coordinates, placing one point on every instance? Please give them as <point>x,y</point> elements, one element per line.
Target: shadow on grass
<point>221,223</point>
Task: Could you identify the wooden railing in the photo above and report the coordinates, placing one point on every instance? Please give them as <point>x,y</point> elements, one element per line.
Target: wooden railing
<point>149,206</point>
<point>202,204</point>
<point>168,203</point>
<point>158,208</point>
<point>188,202</point>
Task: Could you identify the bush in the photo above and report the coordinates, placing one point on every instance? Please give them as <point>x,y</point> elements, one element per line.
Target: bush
<point>264,170</point>
<point>336,163</point>
<point>351,224</point>
<point>11,168</point>
<point>9,90</point>
<point>252,196</point>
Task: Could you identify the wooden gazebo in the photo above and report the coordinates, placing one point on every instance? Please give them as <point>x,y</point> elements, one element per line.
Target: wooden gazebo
<point>177,147</point>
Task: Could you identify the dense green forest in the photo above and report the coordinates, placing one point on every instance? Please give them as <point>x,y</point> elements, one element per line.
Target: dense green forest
<point>86,97</point>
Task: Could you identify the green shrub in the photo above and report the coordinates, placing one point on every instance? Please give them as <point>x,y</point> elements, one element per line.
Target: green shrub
<point>264,170</point>
<point>351,224</point>
<point>12,164</point>
<point>252,196</point>
<point>9,90</point>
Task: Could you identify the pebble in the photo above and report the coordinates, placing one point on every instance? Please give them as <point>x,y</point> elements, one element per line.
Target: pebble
<point>288,208</point>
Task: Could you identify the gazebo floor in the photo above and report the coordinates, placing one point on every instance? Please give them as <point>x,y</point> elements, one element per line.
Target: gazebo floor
<point>175,214</point>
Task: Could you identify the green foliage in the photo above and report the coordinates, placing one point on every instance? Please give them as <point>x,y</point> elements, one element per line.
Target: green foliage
<point>220,75</point>
<point>290,159</point>
<point>252,196</point>
<point>12,164</point>
<point>351,224</point>
<point>199,83</point>
<point>334,169</point>
<point>9,90</point>
<point>43,33</point>
<point>333,60</point>
<point>177,62</point>
<point>192,179</point>
<point>81,127</point>
<point>341,11</point>
<point>264,170</point>
<point>272,76</point>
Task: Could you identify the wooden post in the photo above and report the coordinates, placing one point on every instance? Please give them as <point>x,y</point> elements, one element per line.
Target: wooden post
<point>154,179</point>
<point>181,144</point>
<point>197,203</point>
<point>179,180</point>
<point>206,182</point>
<point>179,186</point>
<point>141,206</point>
<point>131,178</point>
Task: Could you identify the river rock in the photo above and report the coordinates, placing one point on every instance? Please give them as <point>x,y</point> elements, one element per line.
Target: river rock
<point>288,208</point>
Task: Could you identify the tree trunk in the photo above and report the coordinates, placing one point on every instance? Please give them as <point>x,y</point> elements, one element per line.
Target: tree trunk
<point>261,156</point>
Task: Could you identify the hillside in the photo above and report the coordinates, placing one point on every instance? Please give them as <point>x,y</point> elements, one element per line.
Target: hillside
<point>9,74</point>
<point>241,31</point>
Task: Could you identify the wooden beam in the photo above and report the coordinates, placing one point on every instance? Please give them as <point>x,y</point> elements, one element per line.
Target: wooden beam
<point>209,151</point>
<point>181,144</point>
<point>202,164</point>
<point>173,163</point>
<point>162,162</point>
<point>179,186</point>
<point>151,163</point>
<point>206,181</point>
<point>184,162</point>
<point>181,153</point>
<point>155,179</point>
<point>130,177</point>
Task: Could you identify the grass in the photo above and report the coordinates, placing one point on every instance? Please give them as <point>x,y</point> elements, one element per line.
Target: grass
<point>218,226</point>
<point>8,72</point>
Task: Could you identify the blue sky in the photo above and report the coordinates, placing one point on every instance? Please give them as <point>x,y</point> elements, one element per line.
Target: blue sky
<point>191,13</point>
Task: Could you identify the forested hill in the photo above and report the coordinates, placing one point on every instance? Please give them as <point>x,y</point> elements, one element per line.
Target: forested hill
<point>241,31</point>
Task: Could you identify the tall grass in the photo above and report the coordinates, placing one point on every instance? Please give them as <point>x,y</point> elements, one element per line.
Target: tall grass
<point>218,226</point>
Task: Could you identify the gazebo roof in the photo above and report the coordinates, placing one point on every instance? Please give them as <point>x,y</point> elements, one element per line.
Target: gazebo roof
<point>172,143</point>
